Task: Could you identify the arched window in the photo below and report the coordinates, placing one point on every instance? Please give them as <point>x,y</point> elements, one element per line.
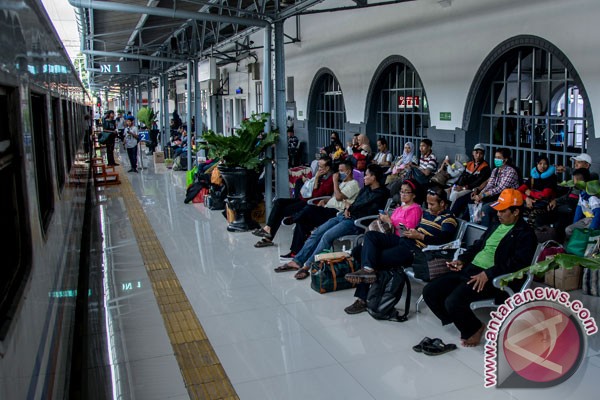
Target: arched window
<point>397,107</point>
<point>327,109</point>
<point>528,97</point>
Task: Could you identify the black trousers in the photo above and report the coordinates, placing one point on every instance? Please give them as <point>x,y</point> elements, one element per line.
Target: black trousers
<point>132,154</point>
<point>110,149</point>
<point>308,219</point>
<point>384,251</point>
<point>283,208</point>
<point>449,297</point>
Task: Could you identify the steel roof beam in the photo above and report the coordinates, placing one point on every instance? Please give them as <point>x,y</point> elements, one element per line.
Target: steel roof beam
<point>133,56</point>
<point>167,13</point>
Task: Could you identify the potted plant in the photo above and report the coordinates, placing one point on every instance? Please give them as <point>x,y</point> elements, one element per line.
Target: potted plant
<point>241,156</point>
<point>148,117</point>
<point>169,163</point>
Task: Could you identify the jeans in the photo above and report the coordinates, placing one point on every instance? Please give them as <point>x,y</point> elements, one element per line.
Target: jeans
<point>322,238</point>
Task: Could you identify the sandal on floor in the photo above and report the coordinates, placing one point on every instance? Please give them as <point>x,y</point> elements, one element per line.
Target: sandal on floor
<point>263,243</point>
<point>425,342</point>
<point>302,273</point>
<point>285,267</point>
<point>260,232</point>
<point>438,347</point>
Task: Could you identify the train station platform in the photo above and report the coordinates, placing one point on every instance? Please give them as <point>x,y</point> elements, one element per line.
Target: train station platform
<point>190,310</point>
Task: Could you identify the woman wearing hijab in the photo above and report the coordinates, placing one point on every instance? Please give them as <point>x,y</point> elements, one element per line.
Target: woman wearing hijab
<point>539,190</point>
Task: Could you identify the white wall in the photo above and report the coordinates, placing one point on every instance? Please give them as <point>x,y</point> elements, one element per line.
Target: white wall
<point>445,45</point>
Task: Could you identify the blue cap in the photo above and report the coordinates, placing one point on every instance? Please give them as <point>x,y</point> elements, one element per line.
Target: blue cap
<point>130,118</point>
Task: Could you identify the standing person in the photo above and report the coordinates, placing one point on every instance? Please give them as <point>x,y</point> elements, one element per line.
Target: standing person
<point>131,142</point>
<point>504,248</point>
<point>120,120</point>
<point>109,126</point>
<point>293,148</point>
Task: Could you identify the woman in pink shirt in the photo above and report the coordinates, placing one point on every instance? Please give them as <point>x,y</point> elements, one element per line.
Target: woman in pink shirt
<point>409,213</point>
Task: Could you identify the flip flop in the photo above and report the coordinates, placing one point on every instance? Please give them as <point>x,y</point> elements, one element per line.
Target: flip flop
<point>438,347</point>
<point>425,342</point>
<point>302,274</point>
<point>260,232</point>
<point>263,243</point>
<point>285,267</point>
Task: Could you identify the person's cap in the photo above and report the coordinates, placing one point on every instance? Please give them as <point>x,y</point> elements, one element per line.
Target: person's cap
<point>130,118</point>
<point>508,198</point>
<point>583,157</point>
<point>479,146</point>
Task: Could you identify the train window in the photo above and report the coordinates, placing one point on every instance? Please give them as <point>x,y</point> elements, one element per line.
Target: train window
<point>58,148</point>
<point>14,237</point>
<point>67,134</point>
<point>42,159</point>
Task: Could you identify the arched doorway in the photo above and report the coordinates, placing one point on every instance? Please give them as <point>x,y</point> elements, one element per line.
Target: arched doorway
<point>528,97</point>
<point>326,110</point>
<point>397,107</point>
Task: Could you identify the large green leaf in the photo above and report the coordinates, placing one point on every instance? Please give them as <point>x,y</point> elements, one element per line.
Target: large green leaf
<point>591,187</point>
<point>567,261</point>
<point>245,147</point>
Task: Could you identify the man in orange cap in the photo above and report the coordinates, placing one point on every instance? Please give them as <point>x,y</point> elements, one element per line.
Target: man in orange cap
<point>505,247</point>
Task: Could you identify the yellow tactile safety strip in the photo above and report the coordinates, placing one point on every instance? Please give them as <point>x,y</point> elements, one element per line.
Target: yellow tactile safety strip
<point>202,372</point>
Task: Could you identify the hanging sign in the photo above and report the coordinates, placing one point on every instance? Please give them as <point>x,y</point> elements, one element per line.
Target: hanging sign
<point>122,67</point>
<point>408,101</point>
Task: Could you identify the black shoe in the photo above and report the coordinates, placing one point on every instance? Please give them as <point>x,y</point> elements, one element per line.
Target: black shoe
<point>357,307</point>
<point>131,170</point>
<point>362,275</point>
<point>288,256</point>
<point>135,170</point>
<point>288,221</point>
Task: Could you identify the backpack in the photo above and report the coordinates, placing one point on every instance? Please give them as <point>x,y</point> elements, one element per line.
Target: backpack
<point>386,292</point>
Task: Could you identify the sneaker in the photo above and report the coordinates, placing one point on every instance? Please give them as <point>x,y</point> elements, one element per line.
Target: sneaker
<point>288,256</point>
<point>362,275</point>
<point>357,307</point>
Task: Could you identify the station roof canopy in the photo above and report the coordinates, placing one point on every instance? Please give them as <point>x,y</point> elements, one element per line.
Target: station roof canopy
<point>162,35</point>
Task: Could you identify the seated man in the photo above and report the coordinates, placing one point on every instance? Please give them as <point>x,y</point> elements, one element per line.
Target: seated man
<point>345,190</point>
<point>370,199</point>
<point>283,208</point>
<point>381,251</point>
<point>421,173</point>
<point>504,248</point>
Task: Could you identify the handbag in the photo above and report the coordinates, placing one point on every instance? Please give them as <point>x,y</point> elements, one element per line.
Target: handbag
<point>380,226</point>
<point>307,188</point>
<point>104,136</point>
<point>329,275</point>
<point>582,241</point>
<point>430,264</point>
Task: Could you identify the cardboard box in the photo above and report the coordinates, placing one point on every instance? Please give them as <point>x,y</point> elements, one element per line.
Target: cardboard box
<point>564,279</point>
<point>159,157</point>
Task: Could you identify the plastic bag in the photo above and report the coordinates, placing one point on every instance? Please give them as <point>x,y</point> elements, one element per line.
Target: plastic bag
<point>476,212</point>
<point>307,188</point>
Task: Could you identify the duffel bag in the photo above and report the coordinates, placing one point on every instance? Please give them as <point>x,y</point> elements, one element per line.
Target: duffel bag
<point>329,275</point>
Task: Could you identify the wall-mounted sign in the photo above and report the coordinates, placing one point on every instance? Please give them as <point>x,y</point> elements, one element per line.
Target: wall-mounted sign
<point>408,101</point>
<point>445,116</point>
<point>121,67</point>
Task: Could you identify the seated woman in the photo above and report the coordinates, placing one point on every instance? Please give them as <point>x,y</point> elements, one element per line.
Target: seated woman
<point>282,208</point>
<point>505,247</point>
<point>504,176</point>
<point>449,172</point>
<point>327,151</point>
<point>539,190</point>
<point>381,251</point>
<point>397,170</point>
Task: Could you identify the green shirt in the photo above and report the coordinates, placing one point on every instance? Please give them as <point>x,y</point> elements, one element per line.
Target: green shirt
<point>485,258</point>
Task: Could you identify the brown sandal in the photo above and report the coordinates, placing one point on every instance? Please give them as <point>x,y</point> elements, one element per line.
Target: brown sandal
<point>285,267</point>
<point>302,273</point>
<point>264,242</point>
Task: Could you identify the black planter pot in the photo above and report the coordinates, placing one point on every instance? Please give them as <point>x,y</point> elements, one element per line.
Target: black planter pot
<point>241,197</point>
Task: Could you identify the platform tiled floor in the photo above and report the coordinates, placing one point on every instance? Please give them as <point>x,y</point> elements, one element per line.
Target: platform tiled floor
<point>274,336</point>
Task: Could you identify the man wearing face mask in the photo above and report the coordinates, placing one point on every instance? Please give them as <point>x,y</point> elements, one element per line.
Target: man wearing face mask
<point>504,176</point>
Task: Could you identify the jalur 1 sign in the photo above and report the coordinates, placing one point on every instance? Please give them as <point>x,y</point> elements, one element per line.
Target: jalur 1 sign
<point>121,67</point>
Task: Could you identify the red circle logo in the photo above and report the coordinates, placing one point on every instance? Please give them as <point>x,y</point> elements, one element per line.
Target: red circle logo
<point>542,344</point>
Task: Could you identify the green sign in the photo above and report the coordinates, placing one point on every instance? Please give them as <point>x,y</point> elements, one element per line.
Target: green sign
<point>445,116</point>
